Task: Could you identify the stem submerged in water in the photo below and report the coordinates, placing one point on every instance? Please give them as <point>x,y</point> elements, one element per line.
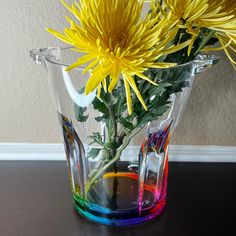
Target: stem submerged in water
<point>125,143</point>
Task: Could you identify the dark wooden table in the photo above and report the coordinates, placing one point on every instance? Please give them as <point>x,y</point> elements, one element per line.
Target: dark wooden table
<point>35,200</point>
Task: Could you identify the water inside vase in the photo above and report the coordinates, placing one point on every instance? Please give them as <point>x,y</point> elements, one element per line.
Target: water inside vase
<point>114,200</point>
<point>120,191</point>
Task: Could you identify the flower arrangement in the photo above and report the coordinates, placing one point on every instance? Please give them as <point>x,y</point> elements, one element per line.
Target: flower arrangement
<point>123,52</point>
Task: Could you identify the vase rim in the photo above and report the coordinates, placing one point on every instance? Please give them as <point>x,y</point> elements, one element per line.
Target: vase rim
<point>64,65</point>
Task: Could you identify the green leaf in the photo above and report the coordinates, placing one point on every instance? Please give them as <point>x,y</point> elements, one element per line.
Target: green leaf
<point>126,124</point>
<point>100,106</point>
<point>101,118</point>
<point>97,138</point>
<point>120,105</point>
<point>93,153</point>
<point>156,90</point>
<point>79,113</point>
<point>152,115</point>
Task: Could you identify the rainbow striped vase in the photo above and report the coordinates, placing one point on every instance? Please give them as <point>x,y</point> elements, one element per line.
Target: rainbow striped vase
<point>129,187</point>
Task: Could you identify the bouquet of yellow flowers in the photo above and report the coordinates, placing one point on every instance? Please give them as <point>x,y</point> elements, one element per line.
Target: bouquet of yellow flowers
<point>131,45</point>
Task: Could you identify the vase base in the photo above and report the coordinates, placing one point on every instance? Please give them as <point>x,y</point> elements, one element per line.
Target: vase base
<point>118,222</point>
<point>121,210</point>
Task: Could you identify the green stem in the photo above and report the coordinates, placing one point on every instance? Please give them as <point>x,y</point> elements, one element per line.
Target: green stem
<point>121,103</point>
<point>112,127</point>
<point>204,42</point>
<point>112,161</point>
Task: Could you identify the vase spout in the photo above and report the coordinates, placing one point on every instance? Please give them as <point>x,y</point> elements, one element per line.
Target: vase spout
<point>39,55</point>
<point>203,62</point>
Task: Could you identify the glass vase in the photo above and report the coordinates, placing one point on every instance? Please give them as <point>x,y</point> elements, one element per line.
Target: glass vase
<point>126,185</point>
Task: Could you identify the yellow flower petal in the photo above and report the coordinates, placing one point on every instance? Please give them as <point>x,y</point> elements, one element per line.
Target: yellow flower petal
<point>80,61</point>
<point>114,80</point>
<point>134,87</point>
<point>128,96</point>
<point>58,35</point>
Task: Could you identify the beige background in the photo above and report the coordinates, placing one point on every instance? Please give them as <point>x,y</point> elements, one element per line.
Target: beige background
<point>28,114</point>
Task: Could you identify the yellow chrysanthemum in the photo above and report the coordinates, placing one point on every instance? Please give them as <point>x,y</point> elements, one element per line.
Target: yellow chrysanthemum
<point>217,15</point>
<point>116,41</point>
